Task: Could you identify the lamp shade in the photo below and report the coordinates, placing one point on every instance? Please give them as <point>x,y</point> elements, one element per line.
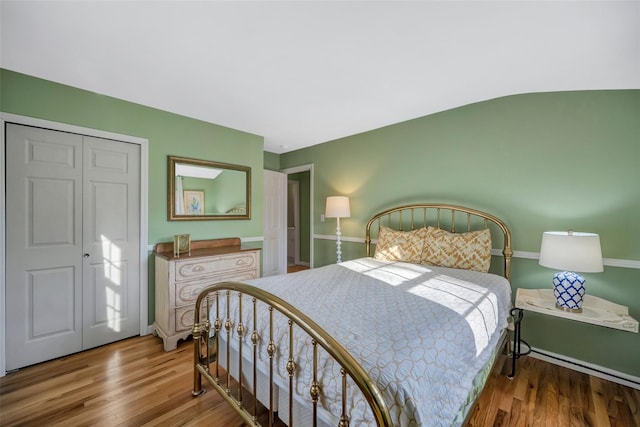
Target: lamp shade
<point>571,251</point>
<point>337,207</point>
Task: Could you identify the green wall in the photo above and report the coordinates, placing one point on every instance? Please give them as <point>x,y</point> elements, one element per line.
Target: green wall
<point>168,134</point>
<point>271,161</point>
<point>546,161</point>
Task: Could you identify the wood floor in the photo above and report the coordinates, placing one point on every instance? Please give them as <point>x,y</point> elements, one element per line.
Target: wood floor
<point>543,394</point>
<point>135,383</point>
<point>293,268</point>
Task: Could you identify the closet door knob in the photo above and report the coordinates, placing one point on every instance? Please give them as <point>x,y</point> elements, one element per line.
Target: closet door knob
<point>85,256</point>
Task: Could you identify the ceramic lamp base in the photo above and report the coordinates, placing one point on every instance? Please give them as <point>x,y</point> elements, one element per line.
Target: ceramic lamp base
<point>569,290</point>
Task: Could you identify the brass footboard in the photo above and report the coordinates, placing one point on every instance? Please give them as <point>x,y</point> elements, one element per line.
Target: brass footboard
<point>217,298</point>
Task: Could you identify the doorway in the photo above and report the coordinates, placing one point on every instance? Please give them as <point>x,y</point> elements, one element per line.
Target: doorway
<point>299,217</point>
<point>293,223</point>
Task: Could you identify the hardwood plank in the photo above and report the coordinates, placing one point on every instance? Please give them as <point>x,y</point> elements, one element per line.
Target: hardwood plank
<point>564,398</point>
<point>135,383</point>
<point>577,403</point>
<point>533,402</point>
<point>518,414</point>
<point>551,398</point>
<point>631,400</point>
<point>599,403</point>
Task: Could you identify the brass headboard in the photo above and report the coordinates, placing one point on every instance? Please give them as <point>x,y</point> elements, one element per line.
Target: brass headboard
<point>450,217</point>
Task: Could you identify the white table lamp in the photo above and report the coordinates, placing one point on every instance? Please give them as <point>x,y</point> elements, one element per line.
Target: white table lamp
<point>572,252</point>
<point>337,207</point>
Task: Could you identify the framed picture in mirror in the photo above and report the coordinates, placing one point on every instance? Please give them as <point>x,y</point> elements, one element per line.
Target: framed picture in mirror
<point>193,202</point>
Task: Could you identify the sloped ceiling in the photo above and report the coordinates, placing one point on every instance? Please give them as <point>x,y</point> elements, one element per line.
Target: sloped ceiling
<point>305,72</point>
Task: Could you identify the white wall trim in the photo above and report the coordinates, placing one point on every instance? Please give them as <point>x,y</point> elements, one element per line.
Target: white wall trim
<point>144,209</point>
<point>609,262</point>
<point>586,368</point>
<point>342,238</point>
<point>622,263</point>
<point>252,239</point>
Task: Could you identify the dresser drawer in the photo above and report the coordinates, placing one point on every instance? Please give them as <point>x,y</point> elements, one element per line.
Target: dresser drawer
<point>184,316</point>
<point>187,293</point>
<point>192,269</point>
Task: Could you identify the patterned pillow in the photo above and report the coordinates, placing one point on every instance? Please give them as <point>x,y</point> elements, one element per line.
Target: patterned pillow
<point>403,246</point>
<point>468,251</point>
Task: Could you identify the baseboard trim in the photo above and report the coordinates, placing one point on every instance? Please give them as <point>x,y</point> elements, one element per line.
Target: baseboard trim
<point>586,368</point>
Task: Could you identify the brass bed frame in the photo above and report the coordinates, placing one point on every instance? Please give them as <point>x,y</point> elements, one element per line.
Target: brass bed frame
<point>234,391</point>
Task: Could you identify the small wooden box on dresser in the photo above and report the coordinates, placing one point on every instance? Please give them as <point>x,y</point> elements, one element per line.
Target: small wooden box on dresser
<point>179,280</point>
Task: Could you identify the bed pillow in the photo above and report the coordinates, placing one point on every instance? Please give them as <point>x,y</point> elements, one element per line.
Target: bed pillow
<point>405,246</point>
<point>468,251</point>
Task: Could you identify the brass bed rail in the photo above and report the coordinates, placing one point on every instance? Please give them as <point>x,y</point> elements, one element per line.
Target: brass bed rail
<point>221,293</point>
<point>451,217</point>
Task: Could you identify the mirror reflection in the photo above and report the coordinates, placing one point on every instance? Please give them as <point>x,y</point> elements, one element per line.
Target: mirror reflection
<point>202,190</point>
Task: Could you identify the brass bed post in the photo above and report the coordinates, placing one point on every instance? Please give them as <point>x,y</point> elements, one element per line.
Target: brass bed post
<point>240,332</point>
<point>412,224</point>
<point>507,252</point>
<point>291,369</point>
<point>314,390</point>
<point>198,330</point>
<point>344,418</point>
<point>227,327</point>
<point>217,325</point>
<point>255,337</point>
<point>426,218</point>
<point>207,338</point>
<point>367,244</point>
<point>271,351</point>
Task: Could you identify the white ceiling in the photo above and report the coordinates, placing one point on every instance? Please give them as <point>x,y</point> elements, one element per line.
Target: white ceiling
<point>301,73</point>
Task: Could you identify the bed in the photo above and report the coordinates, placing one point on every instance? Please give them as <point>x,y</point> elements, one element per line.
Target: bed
<point>404,336</point>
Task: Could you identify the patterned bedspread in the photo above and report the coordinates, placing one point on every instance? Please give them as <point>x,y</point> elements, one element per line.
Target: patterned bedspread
<point>421,332</point>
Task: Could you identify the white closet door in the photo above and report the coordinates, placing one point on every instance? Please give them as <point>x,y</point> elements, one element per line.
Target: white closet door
<point>44,245</point>
<point>72,243</point>
<point>111,234</point>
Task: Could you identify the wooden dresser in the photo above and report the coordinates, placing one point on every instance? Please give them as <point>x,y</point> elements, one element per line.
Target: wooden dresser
<point>179,280</point>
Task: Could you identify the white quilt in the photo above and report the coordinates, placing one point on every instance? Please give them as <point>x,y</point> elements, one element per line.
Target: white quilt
<point>421,332</point>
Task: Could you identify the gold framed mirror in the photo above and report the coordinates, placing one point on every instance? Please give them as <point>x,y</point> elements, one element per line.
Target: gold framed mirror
<point>204,190</point>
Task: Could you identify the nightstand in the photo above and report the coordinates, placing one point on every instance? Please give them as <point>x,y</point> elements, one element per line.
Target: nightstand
<point>596,311</point>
